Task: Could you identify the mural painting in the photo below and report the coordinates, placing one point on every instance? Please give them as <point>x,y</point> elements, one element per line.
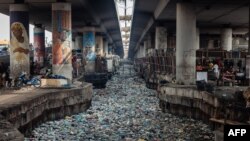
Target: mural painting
<point>89,46</point>
<point>61,37</point>
<point>19,49</point>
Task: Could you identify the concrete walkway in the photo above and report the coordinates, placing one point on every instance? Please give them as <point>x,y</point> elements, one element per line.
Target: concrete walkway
<point>22,110</point>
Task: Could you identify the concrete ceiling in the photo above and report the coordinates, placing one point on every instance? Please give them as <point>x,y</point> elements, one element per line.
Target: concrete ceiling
<point>99,13</point>
<point>210,14</point>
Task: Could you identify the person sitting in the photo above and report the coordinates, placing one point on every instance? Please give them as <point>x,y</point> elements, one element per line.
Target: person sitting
<point>198,67</point>
<point>216,72</point>
<point>228,75</point>
<point>210,65</point>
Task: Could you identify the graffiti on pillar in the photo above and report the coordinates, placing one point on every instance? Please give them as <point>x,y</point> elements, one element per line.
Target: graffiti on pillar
<point>19,49</point>
<point>61,37</point>
<point>39,48</point>
<point>89,46</point>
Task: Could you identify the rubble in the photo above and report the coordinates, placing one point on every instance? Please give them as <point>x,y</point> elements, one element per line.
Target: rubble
<point>125,110</point>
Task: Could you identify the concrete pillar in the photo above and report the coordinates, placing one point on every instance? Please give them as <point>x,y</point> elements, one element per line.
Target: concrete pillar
<point>138,53</point>
<point>39,44</point>
<point>210,44</point>
<point>141,51</point>
<point>78,43</point>
<point>99,45</point>
<point>106,46</point>
<point>197,43</point>
<point>62,40</point>
<point>236,42</point>
<point>19,40</point>
<point>160,38</point>
<point>226,38</point>
<point>89,49</point>
<point>149,45</point>
<point>145,46</point>
<point>186,38</point>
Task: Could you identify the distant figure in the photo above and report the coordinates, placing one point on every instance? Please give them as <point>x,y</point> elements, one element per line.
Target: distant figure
<point>216,71</point>
<point>210,65</point>
<point>198,67</point>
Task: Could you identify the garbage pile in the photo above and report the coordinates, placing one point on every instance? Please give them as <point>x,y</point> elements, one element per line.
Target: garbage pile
<point>124,111</point>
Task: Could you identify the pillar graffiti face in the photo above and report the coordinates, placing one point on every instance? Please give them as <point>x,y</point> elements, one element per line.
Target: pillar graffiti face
<point>89,46</point>
<point>19,44</point>
<point>61,37</point>
<point>39,46</point>
<point>19,41</point>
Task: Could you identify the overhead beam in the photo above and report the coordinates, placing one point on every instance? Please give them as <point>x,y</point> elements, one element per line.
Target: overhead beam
<point>96,18</point>
<point>237,31</point>
<point>159,9</point>
<point>140,13</point>
<point>150,23</point>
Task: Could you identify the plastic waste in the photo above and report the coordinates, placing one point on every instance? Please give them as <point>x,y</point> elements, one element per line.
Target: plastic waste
<point>124,111</point>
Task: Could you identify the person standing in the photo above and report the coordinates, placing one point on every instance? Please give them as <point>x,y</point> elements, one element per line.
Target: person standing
<point>216,72</point>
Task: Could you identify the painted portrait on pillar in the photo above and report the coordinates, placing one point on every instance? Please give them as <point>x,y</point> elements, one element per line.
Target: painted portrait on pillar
<point>19,49</point>
<point>89,46</point>
<point>61,37</point>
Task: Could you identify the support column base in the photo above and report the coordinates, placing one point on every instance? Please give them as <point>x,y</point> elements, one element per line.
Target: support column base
<point>64,70</point>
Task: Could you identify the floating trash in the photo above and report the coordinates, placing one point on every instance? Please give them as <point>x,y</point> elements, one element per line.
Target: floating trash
<point>124,111</point>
